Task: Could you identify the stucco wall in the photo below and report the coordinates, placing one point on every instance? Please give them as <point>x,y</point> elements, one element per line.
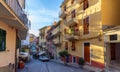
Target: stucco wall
<point>8,56</point>
<point>110,12</point>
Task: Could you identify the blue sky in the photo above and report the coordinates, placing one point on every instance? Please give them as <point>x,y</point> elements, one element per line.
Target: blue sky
<point>42,13</point>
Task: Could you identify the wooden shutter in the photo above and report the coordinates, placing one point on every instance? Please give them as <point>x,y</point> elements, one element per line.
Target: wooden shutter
<point>86,25</point>
<point>66,46</point>
<point>2,40</point>
<point>85,4</point>
<point>73,13</point>
<point>73,46</point>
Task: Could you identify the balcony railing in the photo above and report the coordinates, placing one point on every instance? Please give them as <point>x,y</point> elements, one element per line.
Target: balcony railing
<point>64,2</point>
<point>72,35</point>
<point>71,21</point>
<point>49,37</point>
<point>62,14</point>
<point>56,31</point>
<point>57,42</point>
<point>15,6</point>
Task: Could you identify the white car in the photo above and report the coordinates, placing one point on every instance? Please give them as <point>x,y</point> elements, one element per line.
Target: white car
<point>44,58</point>
<point>24,56</point>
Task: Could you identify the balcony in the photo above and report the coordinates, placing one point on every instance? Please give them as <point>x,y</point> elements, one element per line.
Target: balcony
<point>56,31</point>
<point>64,2</point>
<point>56,42</point>
<point>75,5</point>
<point>49,37</point>
<point>73,36</point>
<point>63,14</point>
<point>71,21</point>
<point>13,15</point>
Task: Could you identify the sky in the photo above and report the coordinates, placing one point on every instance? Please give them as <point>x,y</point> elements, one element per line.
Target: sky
<point>42,13</point>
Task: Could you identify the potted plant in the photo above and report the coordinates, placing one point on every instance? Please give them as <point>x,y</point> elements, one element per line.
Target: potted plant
<point>81,62</point>
<point>63,55</point>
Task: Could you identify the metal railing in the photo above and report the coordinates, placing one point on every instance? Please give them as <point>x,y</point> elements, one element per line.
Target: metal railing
<point>15,6</point>
<point>74,32</point>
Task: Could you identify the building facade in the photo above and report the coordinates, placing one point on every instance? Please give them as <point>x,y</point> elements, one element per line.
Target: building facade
<point>53,40</point>
<point>13,29</point>
<point>57,39</point>
<point>42,37</point>
<point>112,44</point>
<point>83,36</point>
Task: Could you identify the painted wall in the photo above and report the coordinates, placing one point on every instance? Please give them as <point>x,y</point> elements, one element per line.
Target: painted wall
<point>110,12</point>
<point>95,29</point>
<point>8,56</point>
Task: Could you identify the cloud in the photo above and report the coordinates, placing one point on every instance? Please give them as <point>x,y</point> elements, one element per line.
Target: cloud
<point>40,15</point>
<point>35,32</point>
<point>41,18</point>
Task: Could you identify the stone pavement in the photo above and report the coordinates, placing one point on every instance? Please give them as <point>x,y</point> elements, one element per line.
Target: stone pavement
<point>51,66</point>
<point>87,67</point>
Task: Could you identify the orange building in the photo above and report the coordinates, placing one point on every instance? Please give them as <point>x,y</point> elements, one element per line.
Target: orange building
<point>13,29</point>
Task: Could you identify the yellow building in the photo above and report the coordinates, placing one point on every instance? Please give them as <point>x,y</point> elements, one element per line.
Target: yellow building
<point>13,28</point>
<point>32,38</point>
<point>42,37</point>
<point>82,37</point>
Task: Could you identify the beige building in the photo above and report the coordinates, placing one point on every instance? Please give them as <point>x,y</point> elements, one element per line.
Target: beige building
<point>112,44</point>
<point>13,28</point>
<point>57,38</point>
<point>42,37</point>
<point>82,37</point>
<point>32,38</point>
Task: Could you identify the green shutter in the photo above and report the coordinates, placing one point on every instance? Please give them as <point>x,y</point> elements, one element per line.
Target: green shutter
<point>2,40</point>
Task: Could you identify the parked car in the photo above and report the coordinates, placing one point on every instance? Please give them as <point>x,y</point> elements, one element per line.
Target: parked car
<point>24,56</point>
<point>33,50</point>
<point>43,58</point>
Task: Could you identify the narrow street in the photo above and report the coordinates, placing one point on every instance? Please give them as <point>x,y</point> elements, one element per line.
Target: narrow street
<point>51,66</point>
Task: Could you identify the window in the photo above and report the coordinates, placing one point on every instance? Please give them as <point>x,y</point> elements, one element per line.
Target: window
<point>81,1</point>
<point>76,28</point>
<point>2,40</point>
<point>65,31</point>
<point>73,14</point>
<point>73,46</point>
<point>86,25</point>
<point>85,4</point>
<point>86,44</point>
<point>113,37</point>
<point>66,46</point>
<point>64,19</point>
<point>72,1</point>
<point>18,42</point>
<point>64,8</point>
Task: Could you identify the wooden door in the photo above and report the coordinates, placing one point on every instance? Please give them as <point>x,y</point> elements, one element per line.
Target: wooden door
<point>87,52</point>
<point>112,50</point>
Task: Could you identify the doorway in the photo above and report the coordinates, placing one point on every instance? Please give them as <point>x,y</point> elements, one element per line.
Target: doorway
<point>115,52</point>
<point>87,52</point>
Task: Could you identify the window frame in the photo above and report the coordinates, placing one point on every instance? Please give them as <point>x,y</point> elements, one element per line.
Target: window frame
<point>73,46</point>
<point>73,13</point>
<point>85,4</point>
<point>66,45</point>
<point>2,39</point>
<point>86,26</point>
